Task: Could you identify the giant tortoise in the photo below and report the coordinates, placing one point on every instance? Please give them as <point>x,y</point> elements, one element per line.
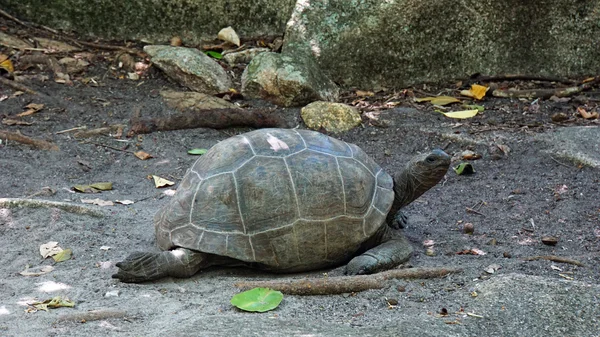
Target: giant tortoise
<point>285,201</point>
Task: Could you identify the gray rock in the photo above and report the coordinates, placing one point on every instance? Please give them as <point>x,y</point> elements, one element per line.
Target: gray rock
<point>333,117</point>
<point>526,305</point>
<point>194,101</point>
<point>191,68</point>
<point>287,80</point>
<point>581,144</point>
<point>156,21</point>
<point>244,56</point>
<point>396,43</point>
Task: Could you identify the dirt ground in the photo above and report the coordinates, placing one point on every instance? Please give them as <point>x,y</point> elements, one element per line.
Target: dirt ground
<point>513,200</point>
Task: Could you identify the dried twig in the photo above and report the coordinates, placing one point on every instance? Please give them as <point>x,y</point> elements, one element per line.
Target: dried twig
<point>109,147</point>
<point>37,203</point>
<point>558,162</point>
<point>37,143</point>
<point>94,315</point>
<point>554,258</point>
<point>99,131</point>
<point>546,93</point>
<point>18,86</point>
<point>347,284</point>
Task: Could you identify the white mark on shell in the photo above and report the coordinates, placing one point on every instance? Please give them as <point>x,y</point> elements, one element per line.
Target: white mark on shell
<point>276,143</point>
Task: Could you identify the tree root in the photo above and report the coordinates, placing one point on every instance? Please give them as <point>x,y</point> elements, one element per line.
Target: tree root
<point>18,86</point>
<point>37,143</point>
<point>93,315</point>
<point>546,93</point>
<point>347,284</point>
<point>208,118</point>
<point>37,203</point>
<point>554,258</point>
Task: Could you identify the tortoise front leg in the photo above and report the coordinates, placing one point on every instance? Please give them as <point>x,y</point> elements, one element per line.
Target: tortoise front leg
<point>387,255</point>
<point>140,266</point>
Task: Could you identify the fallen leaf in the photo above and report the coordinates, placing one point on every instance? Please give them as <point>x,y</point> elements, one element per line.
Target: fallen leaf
<point>105,248</point>
<point>492,268</point>
<point>438,100</point>
<point>477,91</point>
<point>161,182</point>
<point>464,169</point>
<point>53,303</point>
<point>102,186</point>
<point>124,202</point>
<point>197,152</point>
<point>63,256</point>
<point>461,114</point>
<point>49,249</point>
<point>98,202</point>
<point>214,54</point>
<point>143,155</point>
<point>362,93</point>
<point>169,192</point>
<point>587,115</point>
<point>6,63</point>
<point>31,109</point>
<point>37,271</point>
<point>229,35</point>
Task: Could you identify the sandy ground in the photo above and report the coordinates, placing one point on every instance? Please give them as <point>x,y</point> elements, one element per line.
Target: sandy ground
<point>517,199</point>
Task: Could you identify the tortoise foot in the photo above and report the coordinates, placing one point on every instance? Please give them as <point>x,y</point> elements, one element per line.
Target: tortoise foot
<point>139,267</point>
<point>400,220</point>
<point>385,256</point>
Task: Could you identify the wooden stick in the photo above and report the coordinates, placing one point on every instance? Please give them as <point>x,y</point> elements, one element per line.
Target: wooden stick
<point>37,143</point>
<point>554,258</point>
<point>18,86</point>
<point>37,203</point>
<point>208,118</point>
<point>347,284</point>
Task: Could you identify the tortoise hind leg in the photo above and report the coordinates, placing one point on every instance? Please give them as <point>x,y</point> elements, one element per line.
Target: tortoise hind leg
<point>140,267</point>
<point>382,257</point>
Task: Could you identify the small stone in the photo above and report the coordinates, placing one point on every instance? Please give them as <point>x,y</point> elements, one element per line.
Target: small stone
<point>468,228</point>
<point>492,242</point>
<point>112,293</point>
<point>507,255</point>
<point>392,301</point>
<point>549,240</point>
<point>559,117</point>
<point>401,288</point>
<point>176,41</point>
<point>429,251</point>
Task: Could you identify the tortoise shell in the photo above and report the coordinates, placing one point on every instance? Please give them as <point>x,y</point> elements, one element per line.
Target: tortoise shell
<point>289,200</point>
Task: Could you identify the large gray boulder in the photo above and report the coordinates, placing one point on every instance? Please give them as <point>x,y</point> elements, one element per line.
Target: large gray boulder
<point>287,79</point>
<point>156,21</point>
<point>397,43</point>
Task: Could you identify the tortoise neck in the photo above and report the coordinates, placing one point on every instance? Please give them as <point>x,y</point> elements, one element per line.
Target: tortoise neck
<point>407,187</point>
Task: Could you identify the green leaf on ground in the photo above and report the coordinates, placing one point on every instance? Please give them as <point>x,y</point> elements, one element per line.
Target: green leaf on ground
<point>257,299</point>
<point>197,152</point>
<point>214,54</point>
<point>464,168</point>
<point>63,255</point>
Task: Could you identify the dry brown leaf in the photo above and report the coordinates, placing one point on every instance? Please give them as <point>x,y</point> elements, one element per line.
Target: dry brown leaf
<point>143,155</point>
<point>50,249</point>
<point>477,91</point>
<point>362,93</point>
<point>229,35</point>
<point>37,271</point>
<point>587,115</point>
<point>31,109</point>
<point>161,182</point>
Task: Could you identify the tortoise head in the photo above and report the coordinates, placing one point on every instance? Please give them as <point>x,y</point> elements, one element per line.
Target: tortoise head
<point>420,174</point>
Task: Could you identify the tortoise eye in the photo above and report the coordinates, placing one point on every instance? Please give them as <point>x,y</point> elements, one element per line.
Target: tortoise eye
<point>430,159</point>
